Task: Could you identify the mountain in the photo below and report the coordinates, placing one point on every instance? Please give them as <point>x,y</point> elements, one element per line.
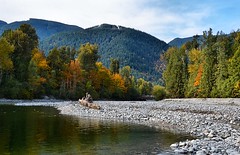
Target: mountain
<point>178,42</point>
<point>44,28</point>
<point>2,23</point>
<point>131,47</point>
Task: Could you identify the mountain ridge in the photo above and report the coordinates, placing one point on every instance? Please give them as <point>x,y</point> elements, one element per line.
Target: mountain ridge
<point>2,23</point>
<point>44,28</point>
<point>131,47</point>
<point>34,21</point>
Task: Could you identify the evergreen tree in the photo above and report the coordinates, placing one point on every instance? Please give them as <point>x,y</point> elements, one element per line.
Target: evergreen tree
<point>31,34</point>
<point>24,39</point>
<point>175,75</point>
<point>223,47</point>
<point>209,66</point>
<point>232,84</point>
<point>114,66</point>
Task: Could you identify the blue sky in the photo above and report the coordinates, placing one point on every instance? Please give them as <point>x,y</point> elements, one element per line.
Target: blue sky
<point>164,19</point>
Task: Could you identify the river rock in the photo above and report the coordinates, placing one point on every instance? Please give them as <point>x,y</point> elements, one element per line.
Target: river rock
<point>209,121</point>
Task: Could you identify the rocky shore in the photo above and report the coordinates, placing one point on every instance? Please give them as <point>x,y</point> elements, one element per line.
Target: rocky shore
<point>215,123</point>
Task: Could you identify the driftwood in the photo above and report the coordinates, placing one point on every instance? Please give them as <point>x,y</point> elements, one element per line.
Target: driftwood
<point>88,104</point>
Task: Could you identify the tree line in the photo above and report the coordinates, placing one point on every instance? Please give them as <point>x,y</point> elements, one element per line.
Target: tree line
<point>204,68</point>
<point>66,73</point>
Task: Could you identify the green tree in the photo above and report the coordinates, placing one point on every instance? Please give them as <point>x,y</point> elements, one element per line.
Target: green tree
<point>194,44</point>
<point>88,56</point>
<point>209,67</point>
<point>176,75</point>
<point>5,61</point>
<point>58,61</point>
<point>223,47</point>
<point>114,66</point>
<point>126,74</point>
<point>144,87</point>
<point>21,56</point>
<point>31,34</point>
<point>232,84</point>
<point>130,83</point>
<point>158,92</point>
<point>24,39</point>
<point>38,73</point>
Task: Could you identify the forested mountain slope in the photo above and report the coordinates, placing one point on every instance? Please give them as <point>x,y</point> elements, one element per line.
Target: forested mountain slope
<point>44,28</point>
<point>178,42</point>
<point>2,23</point>
<point>131,47</point>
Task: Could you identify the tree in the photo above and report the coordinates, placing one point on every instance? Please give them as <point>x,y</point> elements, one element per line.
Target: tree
<point>209,65</point>
<point>129,82</point>
<point>101,80</point>
<point>71,87</point>
<point>144,87</point>
<point>118,87</point>
<point>38,73</point>
<point>5,61</point>
<point>195,69</point>
<point>194,44</point>
<point>88,56</point>
<point>114,66</point>
<point>223,48</point>
<point>24,39</point>
<point>126,74</point>
<point>31,34</point>
<point>176,75</point>
<point>232,84</point>
<point>57,66</point>
<point>158,92</point>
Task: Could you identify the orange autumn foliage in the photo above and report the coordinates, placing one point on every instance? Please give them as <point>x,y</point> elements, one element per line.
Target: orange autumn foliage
<point>118,82</point>
<point>103,78</point>
<point>40,60</point>
<point>73,75</point>
<point>38,69</point>
<point>199,76</point>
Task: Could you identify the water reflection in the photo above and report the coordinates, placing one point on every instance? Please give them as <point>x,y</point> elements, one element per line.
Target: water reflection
<point>41,130</point>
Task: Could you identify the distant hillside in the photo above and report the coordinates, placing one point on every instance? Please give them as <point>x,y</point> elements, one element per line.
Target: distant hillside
<point>2,23</point>
<point>178,42</point>
<point>132,47</point>
<point>44,28</point>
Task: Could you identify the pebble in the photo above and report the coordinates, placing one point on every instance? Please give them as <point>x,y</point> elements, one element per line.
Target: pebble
<point>208,120</point>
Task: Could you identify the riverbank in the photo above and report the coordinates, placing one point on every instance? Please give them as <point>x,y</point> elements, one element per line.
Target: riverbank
<point>214,122</point>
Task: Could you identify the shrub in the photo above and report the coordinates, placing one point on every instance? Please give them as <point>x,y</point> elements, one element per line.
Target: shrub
<point>159,92</point>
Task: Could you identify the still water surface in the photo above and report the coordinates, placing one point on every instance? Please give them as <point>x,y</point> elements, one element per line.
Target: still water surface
<point>42,130</point>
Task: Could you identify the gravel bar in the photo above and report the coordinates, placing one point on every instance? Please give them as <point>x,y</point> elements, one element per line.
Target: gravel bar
<point>215,123</point>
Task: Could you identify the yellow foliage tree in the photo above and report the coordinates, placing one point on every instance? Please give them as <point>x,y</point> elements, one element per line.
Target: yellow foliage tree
<point>5,61</point>
<point>72,75</point>
<point>38,72</point>
<point>195,70</point>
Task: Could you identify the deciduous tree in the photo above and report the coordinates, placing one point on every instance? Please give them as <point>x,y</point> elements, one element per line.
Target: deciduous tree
<point>5,60</point>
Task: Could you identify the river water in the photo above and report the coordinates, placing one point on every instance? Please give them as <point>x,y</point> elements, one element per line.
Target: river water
<point>42,130</point>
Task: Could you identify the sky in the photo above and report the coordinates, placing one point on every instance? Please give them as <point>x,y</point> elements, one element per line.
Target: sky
<point>164,19</point>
